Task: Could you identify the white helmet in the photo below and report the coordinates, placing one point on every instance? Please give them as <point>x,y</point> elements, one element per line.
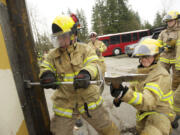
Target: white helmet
<point>93,34</point>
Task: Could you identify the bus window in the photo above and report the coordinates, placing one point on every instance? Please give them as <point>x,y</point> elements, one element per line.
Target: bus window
<point>106,42</point>
<point>143,34</point>
<point>126,38</point>
<point>134,37</point>
<point>115,39</point>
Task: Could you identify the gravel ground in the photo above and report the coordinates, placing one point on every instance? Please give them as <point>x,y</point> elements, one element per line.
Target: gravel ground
<point>124,116</point>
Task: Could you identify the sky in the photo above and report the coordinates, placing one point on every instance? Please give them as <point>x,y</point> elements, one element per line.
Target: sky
<point>47,10</point>
<point>147,9</point>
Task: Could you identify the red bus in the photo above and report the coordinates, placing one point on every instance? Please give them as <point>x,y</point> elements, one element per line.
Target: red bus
<point>116,42</point>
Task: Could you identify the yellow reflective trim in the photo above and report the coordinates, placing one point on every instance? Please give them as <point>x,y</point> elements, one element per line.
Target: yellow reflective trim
<point>164,60</point>
<point>177,63</point>
<point>142,116</point>
<point>154,88</point>
<point>164,44</point>
<point>178,42</point>
<point>167,96</point>
<point>176,109</point>
<point>68,80</point>
<point>139,54</point>
<point>48,66</point>
<point>70,74</point>
<point>62,111</point>
<point>160,41</point>
<point>177,66</point>
<point>172,61</point>
<point>90,59</point>
<point>69,77</point>
<point>39,59</point>
<point>163,97</point>
<point>93,69</point>
<point>137,98</point>
<point>3,2</point>
<point>92,106</point>
<point>139,117</point>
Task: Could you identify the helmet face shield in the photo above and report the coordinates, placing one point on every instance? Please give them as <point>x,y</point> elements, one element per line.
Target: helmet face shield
<point>61,39</point>
<point>172,15</point>
<point>148,47</point>
<point>141,50</point>
<point>167,18</point>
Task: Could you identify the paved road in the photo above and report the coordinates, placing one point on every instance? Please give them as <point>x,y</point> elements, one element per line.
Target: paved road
<point>124,116</point>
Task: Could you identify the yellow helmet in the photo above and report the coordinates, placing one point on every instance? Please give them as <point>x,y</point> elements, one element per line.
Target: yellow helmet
<point>62,24</point>
<point>62,27</point>
<point>172,15</point>
<point>148,47</point>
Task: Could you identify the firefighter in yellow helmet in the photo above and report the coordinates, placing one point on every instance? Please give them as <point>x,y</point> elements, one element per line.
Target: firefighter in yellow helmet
<point>170,58</point>
<point>72,61</point>
<point>99,47</point>
<point>39,58</point>
<point>152,97</point>
<point>170,39</point>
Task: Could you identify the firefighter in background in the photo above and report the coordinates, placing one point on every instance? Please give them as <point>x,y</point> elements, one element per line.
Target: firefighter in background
<point>99,47</point>
<point>152,97</point>
<point>73,61</point>
<point>39,58</point>
<point>170,39</point>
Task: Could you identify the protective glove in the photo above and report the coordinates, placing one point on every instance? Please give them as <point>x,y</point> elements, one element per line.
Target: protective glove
<point>118,92</point>
<point>117,102</point>
<point>82,80</point>
<point>47,80</point>
<point>171,43</point>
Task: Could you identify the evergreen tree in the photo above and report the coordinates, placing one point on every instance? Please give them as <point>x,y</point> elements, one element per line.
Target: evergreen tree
<point>113,16</point>
<point>146,25</point>
<point>99,21</point>
<point>83,32</point>
<point>159,19</point>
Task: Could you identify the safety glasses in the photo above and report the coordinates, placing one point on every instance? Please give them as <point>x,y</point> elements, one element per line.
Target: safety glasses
<point>60,38</point>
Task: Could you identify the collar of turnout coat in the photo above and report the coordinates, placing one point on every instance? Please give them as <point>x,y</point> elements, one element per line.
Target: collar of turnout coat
<point>146,70</point>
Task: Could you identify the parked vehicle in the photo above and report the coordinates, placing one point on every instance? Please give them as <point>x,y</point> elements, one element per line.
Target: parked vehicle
<point>116,42</point>
<point>156,31</point>
<point>129,49</point>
